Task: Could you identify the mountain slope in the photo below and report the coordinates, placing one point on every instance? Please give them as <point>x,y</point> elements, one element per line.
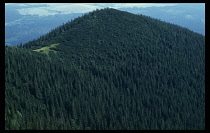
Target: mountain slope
<point>111,70</point>
<point>100,31</point>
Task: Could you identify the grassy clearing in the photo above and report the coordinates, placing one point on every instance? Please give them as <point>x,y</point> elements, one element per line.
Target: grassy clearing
<point>47,49</point>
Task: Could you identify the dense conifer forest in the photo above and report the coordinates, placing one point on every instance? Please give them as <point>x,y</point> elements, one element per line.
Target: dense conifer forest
<point>107,70</point>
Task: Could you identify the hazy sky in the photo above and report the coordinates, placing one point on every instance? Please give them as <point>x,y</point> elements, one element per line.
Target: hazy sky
<point>43,9</point>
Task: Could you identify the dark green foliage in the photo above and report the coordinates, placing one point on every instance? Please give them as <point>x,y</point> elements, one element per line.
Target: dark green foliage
<point>113,70</point>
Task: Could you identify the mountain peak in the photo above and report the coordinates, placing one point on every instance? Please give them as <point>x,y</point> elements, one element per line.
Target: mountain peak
<point>108,26</point>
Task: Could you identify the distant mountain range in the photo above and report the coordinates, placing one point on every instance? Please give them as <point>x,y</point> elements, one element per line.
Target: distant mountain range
<point>27,21</point>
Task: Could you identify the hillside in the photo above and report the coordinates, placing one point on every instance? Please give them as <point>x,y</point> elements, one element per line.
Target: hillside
<point>108,69</point>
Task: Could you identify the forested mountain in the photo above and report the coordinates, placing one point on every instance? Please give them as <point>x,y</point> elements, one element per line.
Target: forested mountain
<point>107,70</point>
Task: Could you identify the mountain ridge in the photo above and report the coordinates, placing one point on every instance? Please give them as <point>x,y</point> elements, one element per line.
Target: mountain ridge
<point>92,17</point>
<point>79,35</point>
